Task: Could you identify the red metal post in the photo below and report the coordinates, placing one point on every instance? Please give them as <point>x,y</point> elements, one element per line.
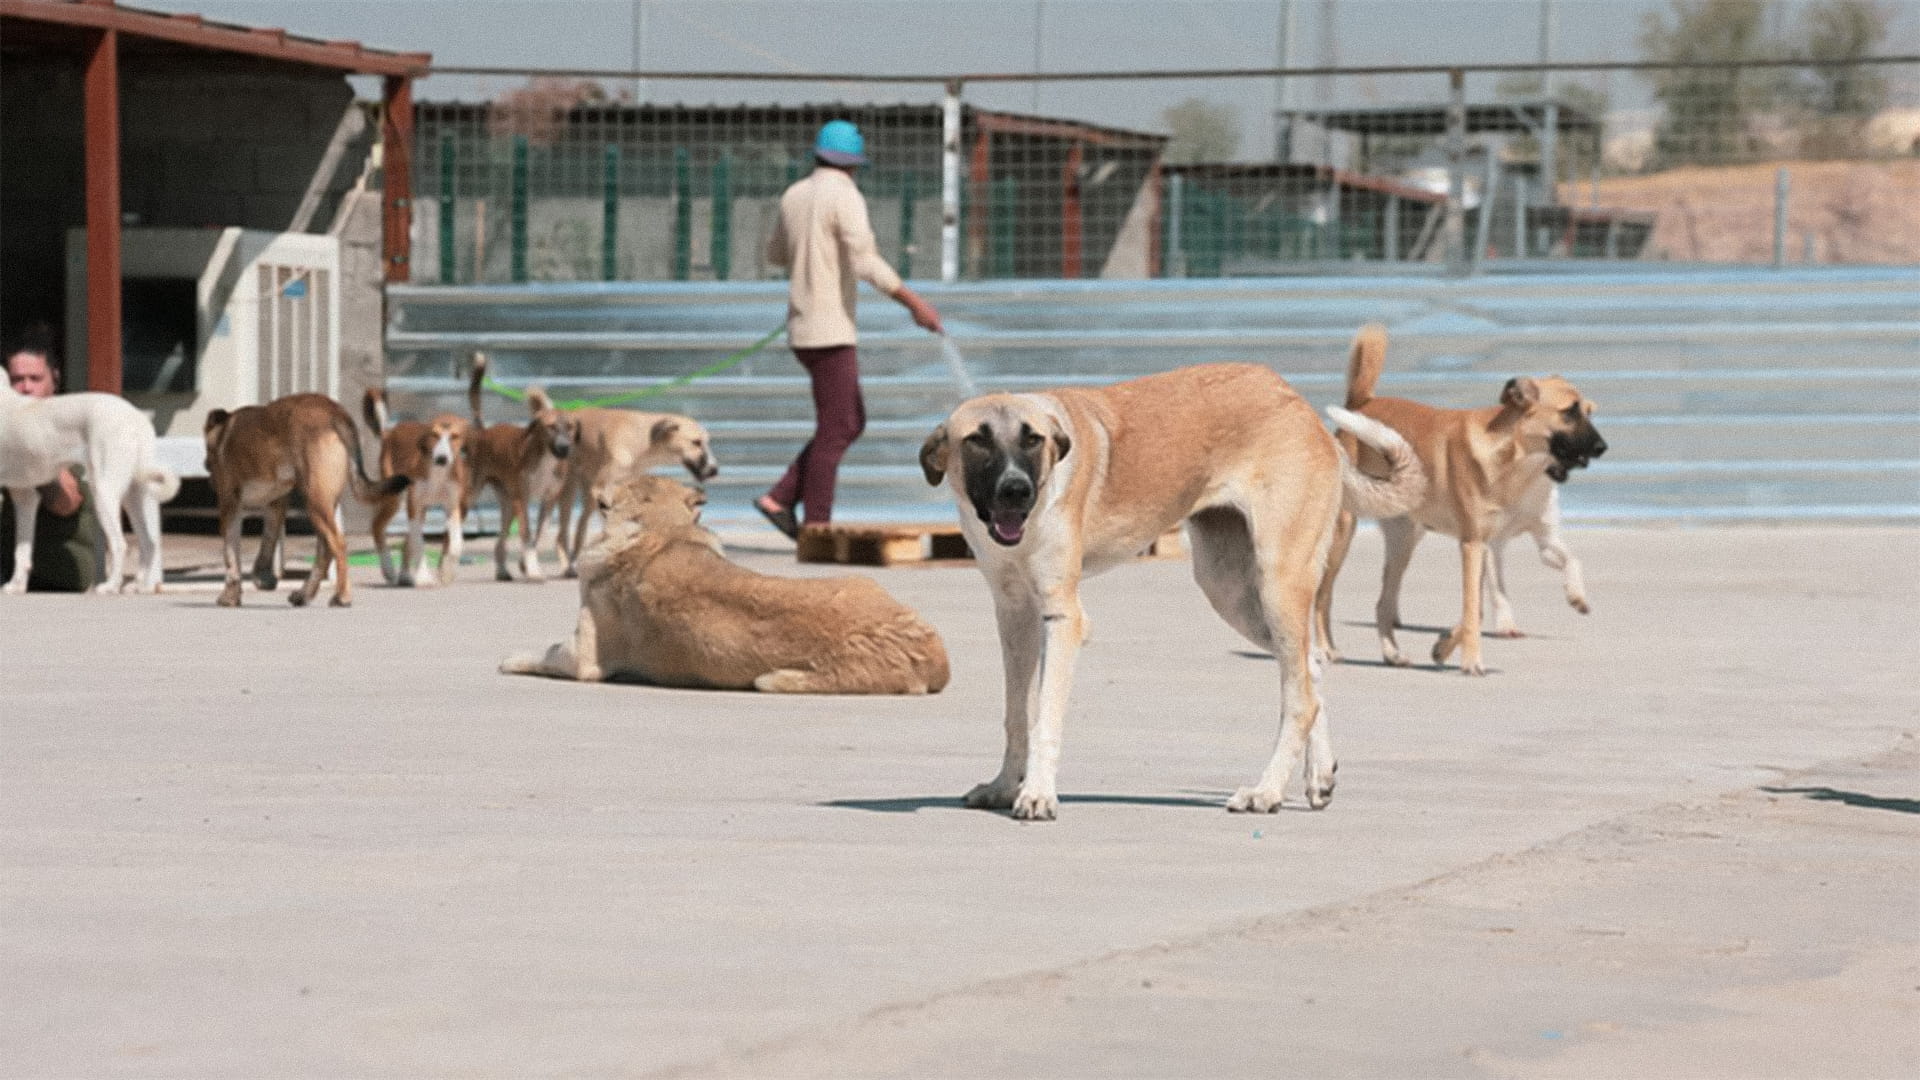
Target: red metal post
<point>396,137</point>
<point>1070,256</point>
<point>1156,191</point>
<point>102,115</point>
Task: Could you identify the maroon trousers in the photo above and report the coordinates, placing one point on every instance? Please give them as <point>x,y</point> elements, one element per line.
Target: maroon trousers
<point>840,415</point>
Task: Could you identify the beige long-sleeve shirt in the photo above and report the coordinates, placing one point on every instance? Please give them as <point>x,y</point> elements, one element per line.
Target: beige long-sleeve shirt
<point>825,241</point>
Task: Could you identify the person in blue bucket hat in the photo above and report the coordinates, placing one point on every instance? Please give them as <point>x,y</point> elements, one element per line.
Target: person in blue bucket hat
<point>825,241</point>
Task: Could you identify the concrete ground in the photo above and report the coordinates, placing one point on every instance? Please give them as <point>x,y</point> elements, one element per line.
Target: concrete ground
<point>1679,837</point>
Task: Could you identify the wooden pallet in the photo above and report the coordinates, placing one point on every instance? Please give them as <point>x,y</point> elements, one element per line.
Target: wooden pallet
<point>881,545</point>
<point>891,545</point>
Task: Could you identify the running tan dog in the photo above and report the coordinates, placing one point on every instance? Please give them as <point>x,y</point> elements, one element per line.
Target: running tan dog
<point>432,455</point>
<point>611,446</point>
<point>524,465</point>
<point>1492,474</point>
<point>259,455</point>
<point>660,603</point>
<point>1055,486</point>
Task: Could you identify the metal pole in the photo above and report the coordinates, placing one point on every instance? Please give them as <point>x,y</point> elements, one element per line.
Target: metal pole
<point>1282,121</point>
<point>1176,247</point>
<point>1780,187</point>
<point>1392,229</point>
<point>610,213</point>
<point>1519,218</point>
<point>950,185</point>
<point>517,213</point>
<point>720,247</point>
<point>446,210</point>
<point>1455,245</point>
<point>906,223</point>
<point>1483,221</point>
<point>682,214</point>
<point>1550,126</point>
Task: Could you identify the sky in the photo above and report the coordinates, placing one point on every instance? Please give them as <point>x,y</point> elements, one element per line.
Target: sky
<point>951,36</point>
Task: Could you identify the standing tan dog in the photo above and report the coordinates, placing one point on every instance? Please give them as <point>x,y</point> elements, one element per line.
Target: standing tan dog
<point>524,465</point>
<point>432,455</point>
<point>660,603</point>
<point>1491,475</point>
<point>612,446</point>
<point>259,455</point>
<point>1055,486</point>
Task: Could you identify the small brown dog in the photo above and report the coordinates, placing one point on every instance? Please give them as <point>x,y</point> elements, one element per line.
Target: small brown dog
<point>661,604</point>
<point>259,455</point>
<point>432,454</point>
<point>612,446</point>
<point>1491,474</point>
<point>524,465</point>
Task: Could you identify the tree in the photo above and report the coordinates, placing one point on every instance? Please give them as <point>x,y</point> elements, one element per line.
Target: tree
<point>1708,110</point>
<point>1202,131</point>
<point>1839,33</point>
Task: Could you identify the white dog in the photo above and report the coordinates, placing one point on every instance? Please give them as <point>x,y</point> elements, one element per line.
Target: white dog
<point>107,435</point>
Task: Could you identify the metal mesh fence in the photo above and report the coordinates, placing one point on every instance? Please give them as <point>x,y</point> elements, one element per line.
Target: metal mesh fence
<point>1450,168</point>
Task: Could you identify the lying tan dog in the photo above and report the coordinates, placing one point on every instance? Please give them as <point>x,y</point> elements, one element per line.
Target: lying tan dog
<point>259,455</point>
<point>660,603</point>
<point>524,465</point>
<point>432,455</point>
<point>1491,475</point>
<point>612,446</point>
<point>1056,486</point>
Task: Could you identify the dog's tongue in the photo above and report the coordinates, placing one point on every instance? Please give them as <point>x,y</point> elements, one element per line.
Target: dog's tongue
<point>1009,525</point>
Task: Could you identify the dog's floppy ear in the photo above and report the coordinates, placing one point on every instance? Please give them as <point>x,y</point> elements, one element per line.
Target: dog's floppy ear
<point>216,419</point>
<point>1062,442</point>
<point>664,429</point>
<point>1520,393</point>
<point>537,401</point>
<point>696,498</point>
<point>933,456</point>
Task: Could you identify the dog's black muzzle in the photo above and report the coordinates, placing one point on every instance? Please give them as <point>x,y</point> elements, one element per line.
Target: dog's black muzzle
<point>1006,508</point>
<point>1573,450</point>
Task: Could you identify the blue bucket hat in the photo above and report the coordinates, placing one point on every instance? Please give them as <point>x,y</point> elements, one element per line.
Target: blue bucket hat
<point>840,143</point>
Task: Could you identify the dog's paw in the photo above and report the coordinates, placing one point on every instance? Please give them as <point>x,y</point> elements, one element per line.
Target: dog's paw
<point>995,794</point>
<point>339,601</point>
<point>230,596</point>
<point>783,681</point>
<point>1320,790</point>
<point>13,588</point>
<point>1445,646</point>
<point>1253,800</point>
<point>1474,669</point>
<point>107,588</point>
<point>1511,633</point>
<point>403,581</point>
<point>1033,804</point>
<point>1396,658</point>
<point>266,582</point>
<point>501,573</point>
<point>1579,604</point>
<point>298,598</point>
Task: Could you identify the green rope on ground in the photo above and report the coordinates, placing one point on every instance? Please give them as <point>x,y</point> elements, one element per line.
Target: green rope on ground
<point>714,368</point>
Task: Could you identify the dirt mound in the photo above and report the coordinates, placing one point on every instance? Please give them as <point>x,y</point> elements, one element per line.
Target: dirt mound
<point>1855,211</point>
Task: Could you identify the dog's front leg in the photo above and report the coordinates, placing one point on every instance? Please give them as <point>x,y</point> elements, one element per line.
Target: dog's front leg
<point>455,546</point>
<point>1555,553</point>
<point>1466,636</point>
<point>413,565</point>
<point>1494,593</point>
<point>1020,645</point>
<point>1062,626</point>
<point>26,513</point>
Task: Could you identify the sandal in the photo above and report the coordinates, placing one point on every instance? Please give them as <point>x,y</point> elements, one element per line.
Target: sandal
<point>781,519</point>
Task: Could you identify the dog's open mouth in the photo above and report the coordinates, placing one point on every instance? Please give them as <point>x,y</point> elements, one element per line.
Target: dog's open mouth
<point>1565,458</point>
<point>1007,526</point>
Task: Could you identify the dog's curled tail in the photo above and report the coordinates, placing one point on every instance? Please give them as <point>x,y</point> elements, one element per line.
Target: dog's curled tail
<point>1406,481</point>
<point>365,488</point>
<point>162,480</point>
<point>474,383</point>
<point>1364,361</point>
